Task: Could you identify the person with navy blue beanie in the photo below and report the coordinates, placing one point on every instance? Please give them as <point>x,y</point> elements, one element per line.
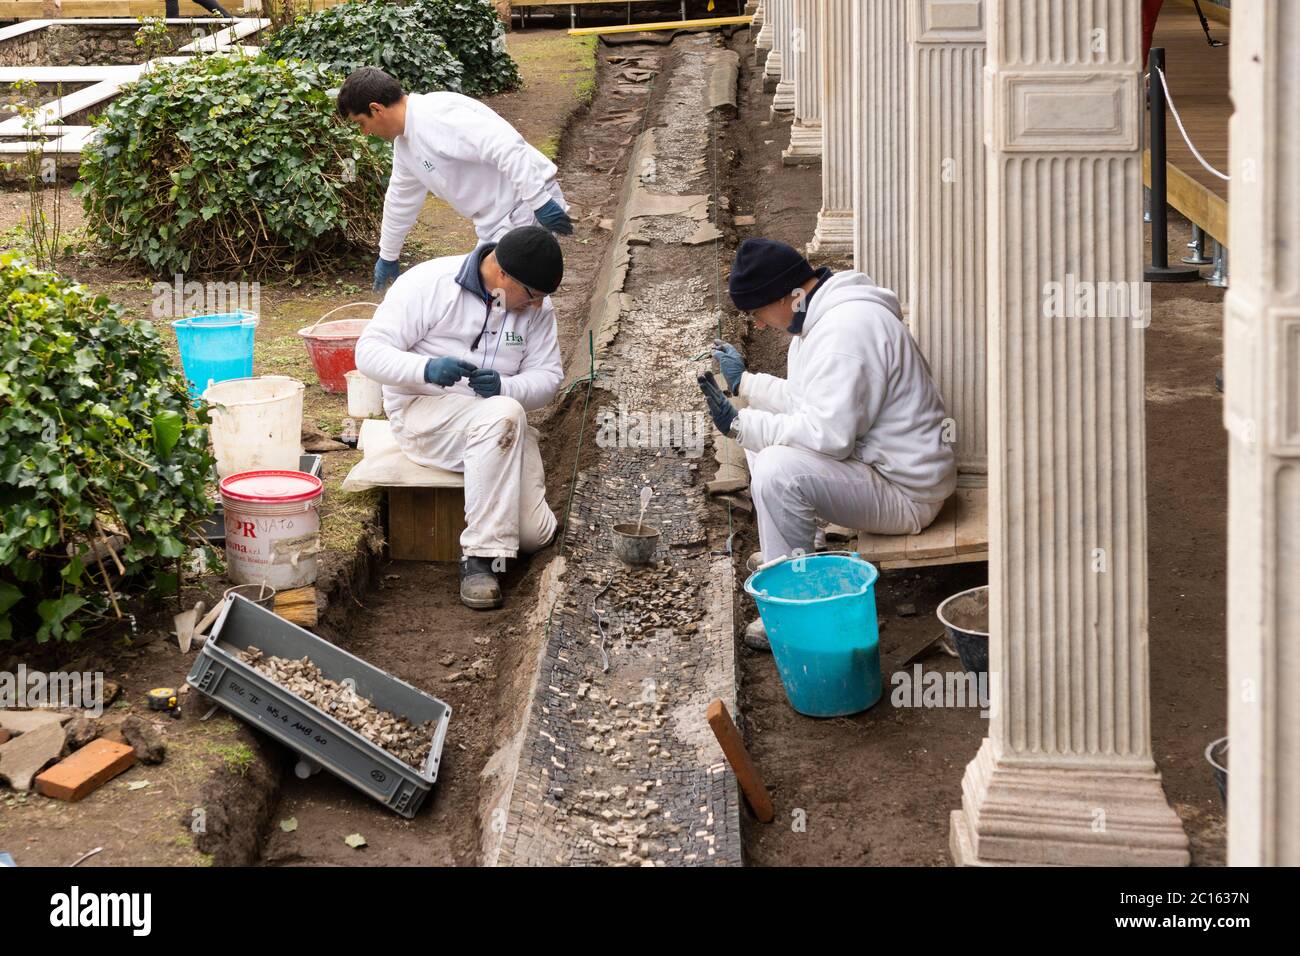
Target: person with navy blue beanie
<point>855,433</point>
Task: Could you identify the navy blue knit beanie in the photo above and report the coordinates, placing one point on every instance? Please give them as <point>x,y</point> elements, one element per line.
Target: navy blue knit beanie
<point>765,270</point>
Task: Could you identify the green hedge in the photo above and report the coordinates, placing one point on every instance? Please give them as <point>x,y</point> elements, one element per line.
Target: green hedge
<point>99,434</point>
<point>477,37</point>
<point>226,164</point>
<point>396,39</point>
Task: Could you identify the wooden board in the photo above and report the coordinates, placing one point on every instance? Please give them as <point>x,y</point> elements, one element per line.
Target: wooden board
<point>938,540</point>
<point>1198,203</point>
<point>973,524</point>
<point>425,524</point>
<point>707,24</point>
<point>958,535</point>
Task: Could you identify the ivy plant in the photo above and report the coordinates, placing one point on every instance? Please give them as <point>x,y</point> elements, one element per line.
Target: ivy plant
<point>100,441</point>
<point>351,35</point>
<point>476,37</point>
<point>230,164</point>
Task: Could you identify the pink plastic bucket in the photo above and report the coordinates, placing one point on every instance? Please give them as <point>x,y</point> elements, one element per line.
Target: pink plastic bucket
<point>272,527</point>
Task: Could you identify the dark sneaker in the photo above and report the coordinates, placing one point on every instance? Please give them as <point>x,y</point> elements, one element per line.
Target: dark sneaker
<point>479,588</point>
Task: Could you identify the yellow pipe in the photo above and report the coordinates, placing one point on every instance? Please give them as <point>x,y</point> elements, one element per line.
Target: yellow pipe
<point>668,25</point>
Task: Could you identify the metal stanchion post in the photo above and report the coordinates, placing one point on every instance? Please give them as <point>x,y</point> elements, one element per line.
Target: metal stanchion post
<point>1219,277</point>
<point>1160,270</point>
<point>1197,245</point>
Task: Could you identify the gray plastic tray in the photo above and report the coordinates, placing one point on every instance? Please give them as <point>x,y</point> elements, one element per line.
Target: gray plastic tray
<point>319,738</point>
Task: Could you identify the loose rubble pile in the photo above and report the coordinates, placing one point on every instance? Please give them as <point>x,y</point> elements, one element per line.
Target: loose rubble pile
<point>644,603</point>
<point>406,741</point>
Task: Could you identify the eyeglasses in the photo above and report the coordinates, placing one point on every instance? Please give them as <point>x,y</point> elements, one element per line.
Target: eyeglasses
<point>533,294</point>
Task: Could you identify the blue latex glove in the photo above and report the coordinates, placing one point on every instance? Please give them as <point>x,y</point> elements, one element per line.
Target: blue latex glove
<point>486,382</point>
<point>554,218</point>
<point>732,365</point>
<point>446,371</point>
<point>385,272</point>
<point>721,411</point>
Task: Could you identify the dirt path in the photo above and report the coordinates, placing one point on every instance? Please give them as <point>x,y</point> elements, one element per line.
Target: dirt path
<point>219,766</point>
<point>414,626</point>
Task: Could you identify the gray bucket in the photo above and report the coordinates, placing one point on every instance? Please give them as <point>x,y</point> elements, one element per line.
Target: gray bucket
<point>263,595</point>
<point>965,616</point>
<point>635,544</point>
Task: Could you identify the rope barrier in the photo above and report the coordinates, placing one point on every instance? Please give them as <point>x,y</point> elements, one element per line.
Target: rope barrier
<point>1169,98</point>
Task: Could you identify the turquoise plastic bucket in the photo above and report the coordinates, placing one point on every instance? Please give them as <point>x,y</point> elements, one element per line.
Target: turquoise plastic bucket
<point>820,615</point>
<point>215,348</point>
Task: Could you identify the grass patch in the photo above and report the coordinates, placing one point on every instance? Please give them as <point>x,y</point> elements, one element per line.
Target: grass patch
<point>237,757</point>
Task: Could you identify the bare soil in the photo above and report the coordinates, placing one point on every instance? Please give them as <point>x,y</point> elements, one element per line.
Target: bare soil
<point>877,788</point>
<point>414,626</point>
<point>408,625</point>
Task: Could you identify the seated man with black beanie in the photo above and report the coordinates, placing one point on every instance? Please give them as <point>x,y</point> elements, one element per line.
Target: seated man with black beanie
<point>465,346</point>
<point>854,433</point>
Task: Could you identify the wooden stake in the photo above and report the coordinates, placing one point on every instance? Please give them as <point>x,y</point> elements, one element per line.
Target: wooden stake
<point>751,784</point>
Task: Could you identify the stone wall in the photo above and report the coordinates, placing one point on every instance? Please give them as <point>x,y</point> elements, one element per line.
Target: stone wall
<point>85,45</point>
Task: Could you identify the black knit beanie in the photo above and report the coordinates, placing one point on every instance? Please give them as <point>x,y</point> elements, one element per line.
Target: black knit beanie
<point>531,255</point>
<point>765,270</point>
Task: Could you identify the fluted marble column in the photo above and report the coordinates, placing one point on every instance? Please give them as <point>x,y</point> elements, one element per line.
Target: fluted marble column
<point>782,39</point>
<point>806,43</point>
<point>778,24</point>
<point>1066,775</point>
<point>1261,411</point>
<point>945,268</point>
<point>880,143</point>
<point>763,38</point>
<point>834,234</point>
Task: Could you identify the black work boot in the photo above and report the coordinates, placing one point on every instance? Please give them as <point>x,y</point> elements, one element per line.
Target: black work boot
<point>478,584</point>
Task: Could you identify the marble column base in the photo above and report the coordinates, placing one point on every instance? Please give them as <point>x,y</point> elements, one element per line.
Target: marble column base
<point>805,144</point>
<point>834,234</point>
<point>783,97</point>
<point>1076,811</point>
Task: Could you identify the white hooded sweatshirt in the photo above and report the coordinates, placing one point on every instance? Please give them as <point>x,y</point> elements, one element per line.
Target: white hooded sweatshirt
<point>428,313</point>
<point>857,386</point>
<point>461,151</point>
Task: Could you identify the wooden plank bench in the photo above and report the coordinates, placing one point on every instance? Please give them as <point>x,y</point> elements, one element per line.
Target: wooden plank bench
<point>426,511</point>
<point>960,534</point>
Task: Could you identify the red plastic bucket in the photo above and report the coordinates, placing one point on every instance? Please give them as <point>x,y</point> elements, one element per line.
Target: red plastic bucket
<point>332,347</point>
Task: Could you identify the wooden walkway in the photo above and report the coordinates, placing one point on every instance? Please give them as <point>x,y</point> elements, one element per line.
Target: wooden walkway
<point>1198,84</point>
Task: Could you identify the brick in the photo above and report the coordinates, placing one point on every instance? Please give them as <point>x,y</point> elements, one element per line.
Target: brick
<point>85,771</point>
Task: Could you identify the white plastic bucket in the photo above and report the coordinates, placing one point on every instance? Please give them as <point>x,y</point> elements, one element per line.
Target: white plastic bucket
<point>256,424</point>
<point>365,396</point>
<point>272,528</point>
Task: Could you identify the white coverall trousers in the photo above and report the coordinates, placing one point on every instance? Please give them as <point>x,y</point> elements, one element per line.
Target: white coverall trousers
<point>489,440</point>
<point>792,488</point>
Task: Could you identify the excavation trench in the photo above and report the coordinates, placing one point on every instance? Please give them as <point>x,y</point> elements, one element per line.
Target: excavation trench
<point>499,670</point>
